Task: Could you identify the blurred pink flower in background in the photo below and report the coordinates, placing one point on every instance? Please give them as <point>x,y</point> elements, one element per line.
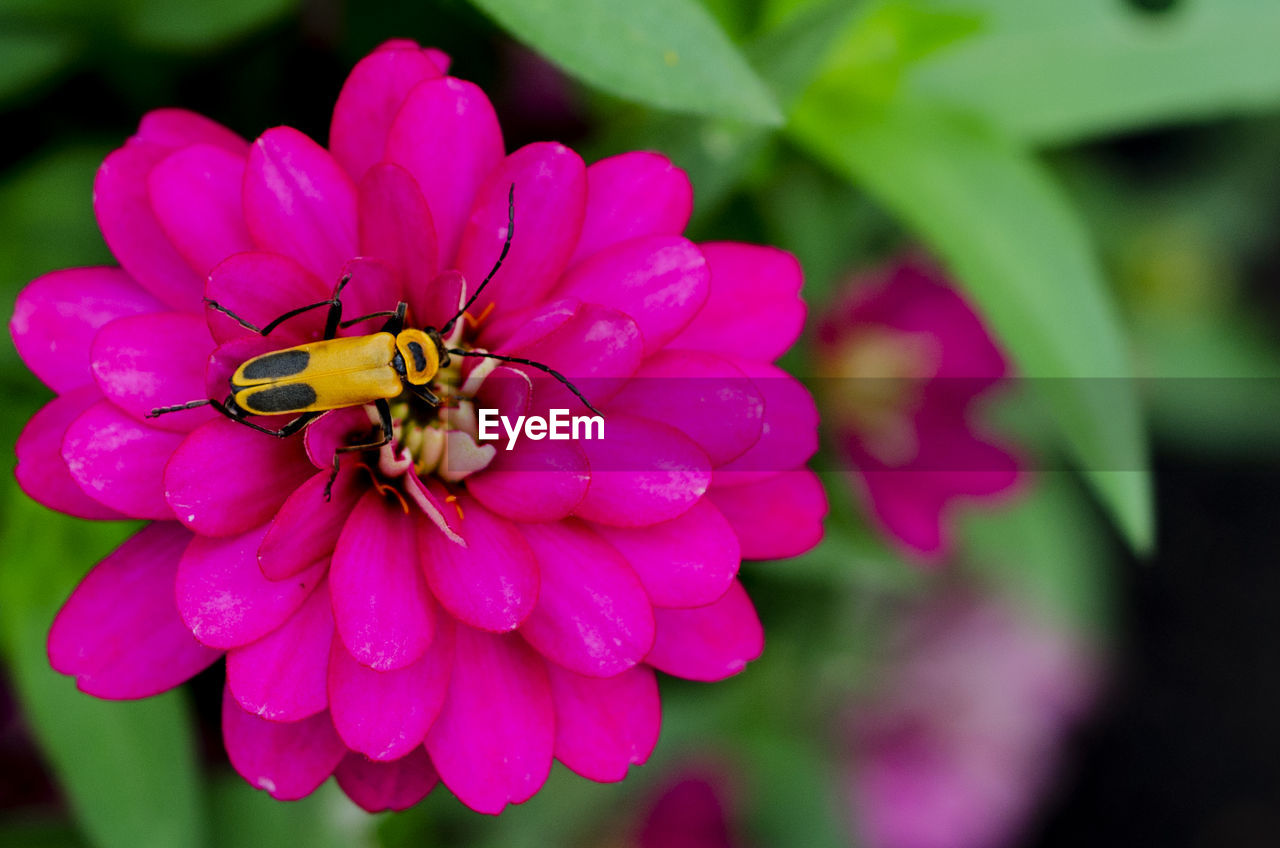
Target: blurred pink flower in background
<point>963,736</point>
<point>691,812</point>
<point>455,613</point>
<point>903,359</point>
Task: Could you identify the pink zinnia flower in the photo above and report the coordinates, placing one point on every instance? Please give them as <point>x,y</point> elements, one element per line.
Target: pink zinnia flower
<point>965,736</point>
<point>904,361</point>
<point>455,610</point>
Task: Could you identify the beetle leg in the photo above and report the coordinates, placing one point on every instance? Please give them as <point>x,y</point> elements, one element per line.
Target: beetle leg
<point>386,313</point>
<point>384,415</point>
<point>165,410</point>
<point>284,432</point>
<point>396,322</point>
<point>425,394</point>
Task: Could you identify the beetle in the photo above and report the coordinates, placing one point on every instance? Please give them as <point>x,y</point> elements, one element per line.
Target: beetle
<point>310,379</point>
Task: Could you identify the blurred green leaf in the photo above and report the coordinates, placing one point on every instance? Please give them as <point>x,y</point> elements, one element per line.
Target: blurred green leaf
<point>198,24</point>
<point>242,815</point>
<point>29,56</point>
<point>666,53</point>
<point>991,212</point>
<point>1053,73</point>
<point>127,767</point>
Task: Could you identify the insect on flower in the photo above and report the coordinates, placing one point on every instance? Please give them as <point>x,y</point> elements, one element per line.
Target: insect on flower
<point>310,379</point>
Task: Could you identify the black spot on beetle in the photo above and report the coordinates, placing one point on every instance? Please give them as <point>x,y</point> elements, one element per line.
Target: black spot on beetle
<point>273,366</point>
<point>419,357</point>
<point>277,399</point>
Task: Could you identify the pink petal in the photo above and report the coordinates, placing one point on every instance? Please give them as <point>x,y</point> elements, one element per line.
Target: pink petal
<point>595,347</point>
<point>447,136</point>
<point>703,396</point>
<point>396,785</point>
<point>195,195</point>
<point>493,740</point>
<point>372,95</point>
<point>396,227</point>
<point>603,725</point>
<point>42,472</point>
<point>284,675</point>
<point>444,296</point>
<point>754,309</point>
<point>711,642</point>
<point>260,287</point>
<point>630,196</point>
<point>306,527</point>
<point>385,615</point>
<point>386,714</point>
<point>550,195</point>
<point>225,600</point>
<point>147,361</point>
<point>372,286</point>
<point>123,208</point>
<point>778,517</point>
<point>118,461</point>
<point>119,634</point>
<point>288,760</point>
<point>298,202</point>
<point>492,583</point>
<point>593,616</point>
<point>332,430</point>
<point>688,561</point>
<point>55,318</point>
<point>538,481</point>
<point>217,500</point>
<point>790,433</point>
<point>660,281</point>
<point>642,473</point>
<point>175,128</point>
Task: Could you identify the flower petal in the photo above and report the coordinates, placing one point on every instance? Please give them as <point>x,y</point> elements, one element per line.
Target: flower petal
<point>642,473</point>
<point>385,615</point>
<point>288,760</point>
<point>689,561</point>
<point>754,309</point>
<point>42,472</point>
<point>447,136</point>
<point>142,362</point>
<point>711,642</point>
<point>780,516</point>
<point>593,616</point>
<point>119,634</point>
<point>550,193</point>
<point>396,228</point>
<point>261,287</point>
<point>386,714</point>
<point>660,281</point>
<point>56,315</point>
<point>789,436</point>
<point>129,226</point>
<point>118,461</point>
<point>703,396</point>
<point>225,600</point>
<point>195,196</point>
<point>174,128</point>
<point>284,675</point>
<point>217,500</point>
<point>633,195</point>
<point>298,202</point>
<point>396,785</point>
<point>374,91</point>
<point>306,527</point>
<point>493,740</point>
<point>492,583</point>
<point>603,725</point>
<point>538,481</point>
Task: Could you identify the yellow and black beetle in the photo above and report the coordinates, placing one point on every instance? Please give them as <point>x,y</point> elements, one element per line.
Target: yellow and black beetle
<point>310,379</point>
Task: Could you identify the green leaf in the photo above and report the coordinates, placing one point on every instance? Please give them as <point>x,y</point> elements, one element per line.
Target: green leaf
<point>666,53</point>
<point>242,815</point>
<point>198,24</point>
<point>29,56</point>
<point>1053,73</point>
<point>991,212</point>
<point>128,768</point>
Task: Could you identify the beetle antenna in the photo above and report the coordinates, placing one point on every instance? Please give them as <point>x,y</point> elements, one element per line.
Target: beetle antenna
<point>506,246</point>
<point>554,373</point>
<point>165,410</point>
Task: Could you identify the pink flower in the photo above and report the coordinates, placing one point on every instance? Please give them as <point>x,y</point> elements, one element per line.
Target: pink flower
<point>964,738</point>
<point>456,610</point>
<point>690,812</point>
<point>904,361</point>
